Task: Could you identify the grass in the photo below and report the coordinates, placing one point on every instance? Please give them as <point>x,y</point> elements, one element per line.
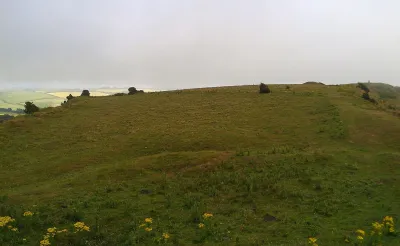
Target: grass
<point>311,161</point>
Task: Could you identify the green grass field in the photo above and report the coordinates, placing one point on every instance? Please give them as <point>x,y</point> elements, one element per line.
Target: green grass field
<point>273,169</point>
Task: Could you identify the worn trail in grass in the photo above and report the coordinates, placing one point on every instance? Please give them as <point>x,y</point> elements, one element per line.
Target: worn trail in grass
<point>273,169</point>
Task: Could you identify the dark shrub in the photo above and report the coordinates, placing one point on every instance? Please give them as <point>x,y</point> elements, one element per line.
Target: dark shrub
<point>287,87</point>
<point>373,100</point>
<point>119,94</point>
<point>313,83</point>
<point>132,90</point>
<point>30,108</point>
<point>365,95</point>
<point>363,87</point>
<point>140,91</point>
<point>85,93</point>
<point>71,96</point>
<point>264,88</point>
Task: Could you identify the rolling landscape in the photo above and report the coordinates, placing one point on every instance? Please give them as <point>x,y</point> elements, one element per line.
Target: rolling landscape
<point>201,122</point>
<point>15,99</point>
<point>307,164</point>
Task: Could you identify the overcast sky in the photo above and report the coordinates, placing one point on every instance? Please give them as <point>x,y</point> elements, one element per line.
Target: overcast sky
<point>196,43</point>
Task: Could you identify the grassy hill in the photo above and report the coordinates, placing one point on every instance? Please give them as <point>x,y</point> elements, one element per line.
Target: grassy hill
<point>273,169</point>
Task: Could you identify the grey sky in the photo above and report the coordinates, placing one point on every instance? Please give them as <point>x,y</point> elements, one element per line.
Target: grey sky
<point>193,43</point>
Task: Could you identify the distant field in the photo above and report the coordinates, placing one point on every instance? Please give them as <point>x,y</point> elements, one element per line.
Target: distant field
<point>9,113</point>
<point>110,91</point>
<point>17,99</point>
<point>64,94</point>
<point>4,104</point>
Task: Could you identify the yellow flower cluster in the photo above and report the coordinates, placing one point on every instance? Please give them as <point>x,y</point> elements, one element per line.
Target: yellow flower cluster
<point>165,235</point>
<point>389,222</point>
<point>27,214</point>
<point>51,232</point>
<point>45,242</point>
<point>147,224</point>
<point>5,220</point>
<point>312,241</point>
<point>80,226</point>
<point>207,215</point>
<point>201,225</point>
<point>360,234</point>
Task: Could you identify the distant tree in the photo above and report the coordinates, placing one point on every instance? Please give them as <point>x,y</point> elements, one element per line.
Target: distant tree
<point>71,97</point>
<point>132,90</point>
<point>30,108</point>
<point>287,87</point>
<point>264,88</point>
<point>140,91</point>
<point>85,93</point>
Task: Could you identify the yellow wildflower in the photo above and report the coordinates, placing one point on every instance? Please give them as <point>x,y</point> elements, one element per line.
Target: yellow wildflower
<point>148,229</point>
<point>148,220</point>
<point>9,227</point>
<point>27,213</point>
<point>44,242</point>
<point>201,225</point>
<point>207,215</point>
<point>361,232</point>
<point>80,226</point>
<point>360,238</point>
<point>347,240</point>
<point>377,226</point>
<point>165,235</point>
<point>14,229</point>
<point>312,240</point>
<point>142,225</point>
<point>5,220</point>
<point>391,229</point>
<point>388,220</point>
<point>51,230</point>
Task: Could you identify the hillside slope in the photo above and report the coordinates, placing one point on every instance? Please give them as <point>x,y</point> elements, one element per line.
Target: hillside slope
<point>273,169</point>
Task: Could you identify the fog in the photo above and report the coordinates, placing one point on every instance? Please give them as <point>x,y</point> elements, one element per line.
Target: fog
<point>197,43</point>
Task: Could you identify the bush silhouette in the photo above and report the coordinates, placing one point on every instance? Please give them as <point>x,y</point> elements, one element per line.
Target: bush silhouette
<point>85,93</point>
<point>363,87</point>
<point>71,96</point>
<point>119,94</point>
<point>365,95</point>
<point>30,108</point>
<point>264,88</point>
<point>132,90</point>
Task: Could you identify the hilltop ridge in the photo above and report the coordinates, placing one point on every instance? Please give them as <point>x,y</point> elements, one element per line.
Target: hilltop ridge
<point>273,169</point>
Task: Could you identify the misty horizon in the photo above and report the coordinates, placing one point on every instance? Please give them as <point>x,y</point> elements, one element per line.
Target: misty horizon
<point>191,44</point>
